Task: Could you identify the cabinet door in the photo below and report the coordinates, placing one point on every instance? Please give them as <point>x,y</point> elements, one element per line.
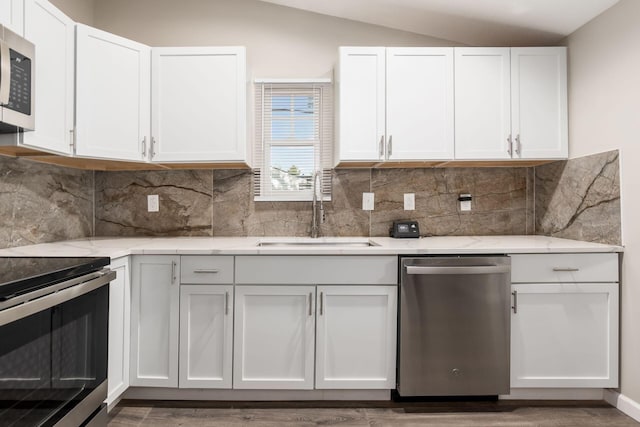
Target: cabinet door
<point>206,328</point>
<point>119,330</point>
<point>361,104</point>
<point>53,34</point>
<point>419,103</point>
<point>274,337</point>
<point>154,321</point>
<point>356,337</point>
<point>11,15</point>
<point>112,95</point>
<point>482,103</point>
<point>539,102</point>
<point>199,104</point>
<point>564,335</point>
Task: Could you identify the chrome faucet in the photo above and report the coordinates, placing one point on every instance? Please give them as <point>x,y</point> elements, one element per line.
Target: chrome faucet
<point>316,219</point>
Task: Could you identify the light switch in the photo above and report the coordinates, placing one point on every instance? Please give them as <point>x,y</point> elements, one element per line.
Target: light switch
<point>367,201</point>
<point>409,201</point>
<point>153,203</point>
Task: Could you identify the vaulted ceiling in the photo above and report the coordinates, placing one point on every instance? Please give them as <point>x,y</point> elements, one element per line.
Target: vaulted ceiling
<point>473,22</point>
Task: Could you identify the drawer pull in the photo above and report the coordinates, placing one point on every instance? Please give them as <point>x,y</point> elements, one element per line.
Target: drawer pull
<point>226,303</point>
<point>205,270</point>
<point>565,269</point>
<point>310,304</point>
<point>321,303</point>
<point>514,307</point>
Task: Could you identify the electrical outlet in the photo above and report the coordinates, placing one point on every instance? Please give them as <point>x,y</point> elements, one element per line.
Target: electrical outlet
<point>465,202</point>
<point>409,201</point>
<point>367,201</point>
<point>153,203</point>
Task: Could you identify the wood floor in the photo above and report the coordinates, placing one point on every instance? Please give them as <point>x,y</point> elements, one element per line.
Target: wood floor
<point>275,414</point>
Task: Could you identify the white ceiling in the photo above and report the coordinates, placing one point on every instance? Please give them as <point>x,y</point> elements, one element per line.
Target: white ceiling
<point>473,22</point>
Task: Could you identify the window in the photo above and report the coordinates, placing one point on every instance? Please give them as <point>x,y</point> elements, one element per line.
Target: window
<point>294,138</point>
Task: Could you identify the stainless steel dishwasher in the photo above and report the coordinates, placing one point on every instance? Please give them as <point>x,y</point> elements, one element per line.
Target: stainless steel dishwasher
<point>454,326</point>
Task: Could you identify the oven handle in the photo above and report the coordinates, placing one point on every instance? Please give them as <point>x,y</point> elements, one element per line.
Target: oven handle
<point>5,73</point>
<point>468,269</point>
<point>37,305</point>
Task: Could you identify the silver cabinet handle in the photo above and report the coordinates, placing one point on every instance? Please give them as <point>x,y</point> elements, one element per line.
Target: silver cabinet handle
<point>390,147</point>
<point>144,147</point>
<point>514,307</point>
<point>5,72</point>
<point>321,303</point>
<point>310,303</point>
<point>565,269</point>
<point>206,271</point>
<point>469,269</point>
<point>509,146</point>
<point>173,272</point>
<point>382,146</point>
<point>518,146</point>
<point>71,139</point>
<point>226,303</point>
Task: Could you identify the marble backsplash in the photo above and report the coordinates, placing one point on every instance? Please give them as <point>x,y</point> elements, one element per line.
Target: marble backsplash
<point>43,203</point>
<point>577,199</point>
<point>220,203</point>
<point>580,199</point>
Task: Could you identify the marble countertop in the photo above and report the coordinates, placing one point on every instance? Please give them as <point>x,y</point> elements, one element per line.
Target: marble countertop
<point>452,245</point>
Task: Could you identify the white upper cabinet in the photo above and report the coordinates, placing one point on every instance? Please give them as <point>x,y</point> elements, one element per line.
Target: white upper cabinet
<point>395,104</point>
<point>52,32</point>
<point>112,96</point>
<point>419,103</point>
<point>199,104</point>
<point>11,15</point>
<point>539,102</point>
<point>482,103</point>
<point>361,104</point>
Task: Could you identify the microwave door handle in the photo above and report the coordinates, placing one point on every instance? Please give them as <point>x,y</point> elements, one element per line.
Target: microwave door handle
<point>5,73</point>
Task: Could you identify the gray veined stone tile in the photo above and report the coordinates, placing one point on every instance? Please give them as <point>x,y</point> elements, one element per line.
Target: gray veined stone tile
<point>580,198</point>
<point>185,203</point>
<point>43,203</point>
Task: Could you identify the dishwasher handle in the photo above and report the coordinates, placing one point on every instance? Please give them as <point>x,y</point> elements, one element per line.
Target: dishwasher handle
<point>465,269</point>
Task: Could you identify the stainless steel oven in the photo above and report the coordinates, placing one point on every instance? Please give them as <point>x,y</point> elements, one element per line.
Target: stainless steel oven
<point>17,83</point>
<point>53,342</point>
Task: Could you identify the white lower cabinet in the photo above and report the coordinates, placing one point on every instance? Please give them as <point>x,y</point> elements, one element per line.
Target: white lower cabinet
<point>274,337</point>
<point>564,335</point>
<point>206,328</point>
<point>155,320</point>
<point>119,324</point>
<point>356,337</point>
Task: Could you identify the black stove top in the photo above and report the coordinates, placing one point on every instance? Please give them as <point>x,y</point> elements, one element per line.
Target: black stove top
<point>21,275</point>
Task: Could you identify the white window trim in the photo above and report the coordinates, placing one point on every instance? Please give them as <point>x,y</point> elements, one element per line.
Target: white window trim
<point>261,144</point>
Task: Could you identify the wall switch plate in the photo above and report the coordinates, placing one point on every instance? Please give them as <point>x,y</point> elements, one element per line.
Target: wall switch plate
<point>409,201</point>
<point>367,201</point>
<point>153,203</point>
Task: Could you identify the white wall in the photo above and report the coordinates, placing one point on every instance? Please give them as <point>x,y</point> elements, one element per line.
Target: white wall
<point>604,114</point>
<point>78,10</point>
<point>281,42</point>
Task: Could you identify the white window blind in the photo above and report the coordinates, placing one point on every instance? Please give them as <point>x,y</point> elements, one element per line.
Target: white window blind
<point>294,140</point>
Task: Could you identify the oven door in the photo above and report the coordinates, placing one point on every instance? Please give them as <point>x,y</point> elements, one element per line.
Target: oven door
<point>53,363</point>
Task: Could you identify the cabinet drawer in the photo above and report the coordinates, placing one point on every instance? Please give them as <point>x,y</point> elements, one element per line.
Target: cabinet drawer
<point>206,269</point>
<point>554,268</point>
<point>317,270</point>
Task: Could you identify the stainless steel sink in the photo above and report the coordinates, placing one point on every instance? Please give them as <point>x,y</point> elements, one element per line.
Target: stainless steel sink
<point>318,243</point>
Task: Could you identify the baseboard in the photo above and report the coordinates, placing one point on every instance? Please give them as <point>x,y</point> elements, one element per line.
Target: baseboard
<point>553,394</point>
<point>153,393</point>
<point>623,403</point>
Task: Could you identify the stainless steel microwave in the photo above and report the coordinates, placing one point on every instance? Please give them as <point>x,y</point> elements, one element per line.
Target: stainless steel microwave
<point>17,83</point>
